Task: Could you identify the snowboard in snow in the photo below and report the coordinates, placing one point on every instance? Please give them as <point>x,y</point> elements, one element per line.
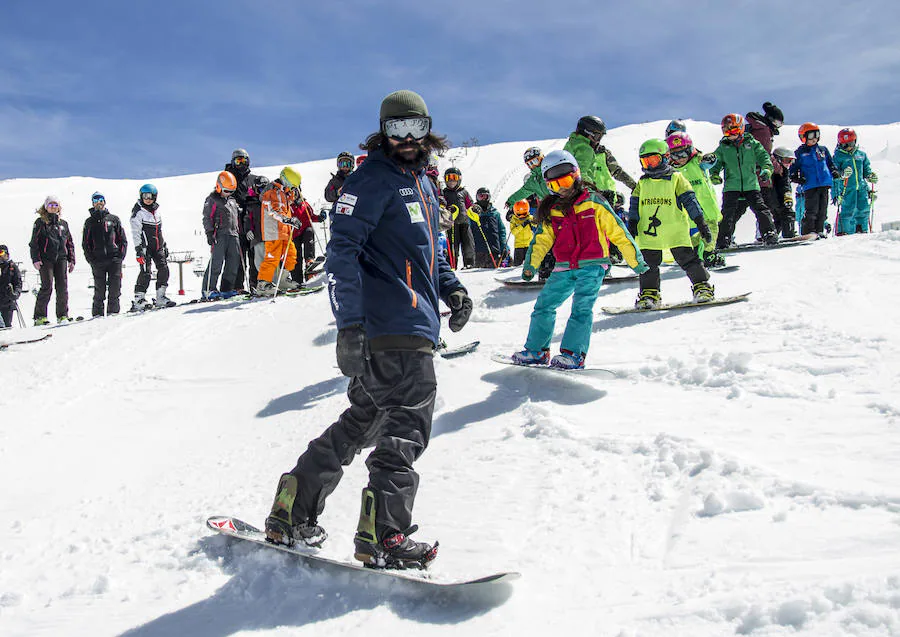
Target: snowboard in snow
<point>587,371</point>
<point>25,341</point>
<point>452,352</point>
<point>521,283</point>
<point>686,305</point>
<point>802,239</point>
<point>240,530</point>
<point>633,276</point>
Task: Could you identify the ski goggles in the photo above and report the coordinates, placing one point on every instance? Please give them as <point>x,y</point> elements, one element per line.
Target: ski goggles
<point>400,129</point>
<point>98,199</point>
<point>681,153</point>
<point>737,131</point>
<point>812,134</point>
<point>482,196</point>
<point>148,196</point>
<point>240,161</point>
<point>560,183</point>
<point>534,162</point>
<point>451,177</point>
<point>345,163</point>
<point>3,254</point>
<point>651,161</point>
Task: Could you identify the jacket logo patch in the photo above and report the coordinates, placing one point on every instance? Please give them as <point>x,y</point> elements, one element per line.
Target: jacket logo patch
<point>407,192</point>
<point>348,199</point>
<point>343,209</point>
<point>415,212</point>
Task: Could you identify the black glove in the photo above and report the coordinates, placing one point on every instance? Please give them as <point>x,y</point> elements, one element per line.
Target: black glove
<point>352,350</point>
<point>633,227</point>
<point>210,239</point>
<point>323,215</point>
<point>460,309</point>
<point>704,230</point>
<point>798,179</point>
<point>293,221</point>
<point>139,251</point>
<point>836,174</point>
<point>165,252</point>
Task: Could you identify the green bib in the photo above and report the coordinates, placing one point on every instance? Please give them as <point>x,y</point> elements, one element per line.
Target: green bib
<point>663,224</point>
<point>703,188</point>
<point>602,178</point>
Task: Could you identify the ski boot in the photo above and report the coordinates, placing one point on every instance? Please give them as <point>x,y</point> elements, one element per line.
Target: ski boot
<point>281,528</point>
<point>648,299</point>
<point>265,288</point>
<point>395,549</point>
<point>287,284</point>
<point>567,360</point>
<point>162,300</point>
<point>41,321</point>
<point>704,292</point>
<point>139,304</point>
<point>531,357</point>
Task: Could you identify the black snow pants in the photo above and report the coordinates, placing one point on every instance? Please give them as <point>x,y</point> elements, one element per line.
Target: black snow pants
<point>816,212</point>
<point>305,244</point>
<point>685,257</point>
<point>461,234</point>
<point>107,278</point>
<point>53,274</point>
<point>734,205</point>
<point>162,272</point>
<point>391,406</point>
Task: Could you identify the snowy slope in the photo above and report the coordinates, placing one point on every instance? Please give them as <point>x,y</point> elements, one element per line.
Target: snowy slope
<point>739,476</point>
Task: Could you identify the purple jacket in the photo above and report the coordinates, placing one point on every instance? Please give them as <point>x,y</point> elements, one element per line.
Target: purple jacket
<point>763,133</point>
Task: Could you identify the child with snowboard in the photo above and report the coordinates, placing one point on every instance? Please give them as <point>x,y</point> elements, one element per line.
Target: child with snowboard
<point>663,204</point>
<point>686,160</point>
<point>488,231</point>
<point>815,170</point>
<point>577,224</point>
<point>522,229</point>
<point>851,192</point>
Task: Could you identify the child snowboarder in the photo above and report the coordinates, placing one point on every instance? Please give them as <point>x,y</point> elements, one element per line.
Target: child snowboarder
<point>104,242</point>
<point>534,185</point>
<point>851,192</point>
<point>783,213</point>
<point>662,206</point>
<point>521,226</point>
<point>745,162</point>
<point>815,170</point>
<point>577,224</point>
<point>686,160</point>
<point>150,247</point>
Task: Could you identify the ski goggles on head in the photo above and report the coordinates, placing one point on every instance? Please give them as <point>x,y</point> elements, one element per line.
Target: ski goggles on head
<point>399,129</point>
<point>651,161</point>
<point>240,161</point>
<point>534,162</point>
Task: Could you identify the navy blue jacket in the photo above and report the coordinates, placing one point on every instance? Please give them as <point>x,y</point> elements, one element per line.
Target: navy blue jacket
<point>385,271</point>
<point>815,164</point>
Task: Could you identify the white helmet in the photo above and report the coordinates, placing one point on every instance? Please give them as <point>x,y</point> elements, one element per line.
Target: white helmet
<point>558,158</point>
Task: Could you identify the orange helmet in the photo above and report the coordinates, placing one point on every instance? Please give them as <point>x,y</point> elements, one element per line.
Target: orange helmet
<point>225,183</point>
<point>807,128</point>
<point>733,124</point>
<point>521,208</point>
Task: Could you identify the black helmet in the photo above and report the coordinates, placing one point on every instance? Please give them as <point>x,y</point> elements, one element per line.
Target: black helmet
<point>482,194</point>
<point>591,127</point>
<point>345,155</point>
<point>675,126</point>
<point>453,170</point>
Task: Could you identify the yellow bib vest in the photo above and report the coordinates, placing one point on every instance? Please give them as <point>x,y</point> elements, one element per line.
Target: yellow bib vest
<point>662,223</point>
<point>703,188</point>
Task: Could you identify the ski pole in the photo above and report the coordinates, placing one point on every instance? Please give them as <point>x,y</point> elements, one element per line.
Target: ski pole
<point>483,236</point>
<point>281,268</point>
<point>872,199</point>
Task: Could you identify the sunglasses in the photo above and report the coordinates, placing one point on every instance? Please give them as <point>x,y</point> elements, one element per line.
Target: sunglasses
<point>400,129</point>
<point>534,163</point>
<point>651,161</point>
<point>451,177</point>
<point>52,206</point>
<point>240,161</point>
<point>566,181</point>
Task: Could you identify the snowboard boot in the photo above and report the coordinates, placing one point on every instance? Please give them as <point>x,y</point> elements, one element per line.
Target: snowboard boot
<point>162,300</point>
<point>567,360</point>
<point>648,299</point>
<point>713,260</point>
<point>140,303</point>
<point>394,549</point>
<point>63,319</point>
<point>282,528</point>
<point>704,292</point>
<point>531,357</point>
<point>265,288</point>
<point>770,238</point>
<point>41,321</point>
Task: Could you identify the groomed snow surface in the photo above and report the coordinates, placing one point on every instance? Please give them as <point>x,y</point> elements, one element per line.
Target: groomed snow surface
<point>739,476</point>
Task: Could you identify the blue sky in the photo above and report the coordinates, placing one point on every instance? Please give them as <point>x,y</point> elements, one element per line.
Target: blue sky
<point>144,89</point>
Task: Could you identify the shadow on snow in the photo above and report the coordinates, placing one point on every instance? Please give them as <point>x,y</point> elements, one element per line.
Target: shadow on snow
<point>305,398</point>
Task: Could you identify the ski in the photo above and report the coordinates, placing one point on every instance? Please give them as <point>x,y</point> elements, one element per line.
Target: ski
<point>633,276</point>
<point>453,352</point>
<point>686,305</point>
<point>803,239</point>
<point>25,341</point>
<point>239,530</point>
<point>593,372</point>
<point>314,266</point>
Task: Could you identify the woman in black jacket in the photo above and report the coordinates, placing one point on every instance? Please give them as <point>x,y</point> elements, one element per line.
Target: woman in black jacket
<point>53,255</point>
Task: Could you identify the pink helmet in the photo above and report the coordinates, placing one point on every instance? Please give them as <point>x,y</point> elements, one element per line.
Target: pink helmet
<point>679,141</point>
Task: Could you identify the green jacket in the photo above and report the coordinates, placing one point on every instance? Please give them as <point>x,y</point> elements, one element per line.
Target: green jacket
<point>740,163</point>
<point>597,168</point>
<point>534,185</point>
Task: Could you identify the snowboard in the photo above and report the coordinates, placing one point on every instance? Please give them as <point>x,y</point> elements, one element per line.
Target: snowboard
<point>522,284</point>
<point>53,326</point>
<point>802,239</point>
<point>312,289</point>
<point>592,372</point>
<point>25,341</point>
<point>240,530</point>
<point>453,352</point>
<point>633,276</point>
<point>686,305</point>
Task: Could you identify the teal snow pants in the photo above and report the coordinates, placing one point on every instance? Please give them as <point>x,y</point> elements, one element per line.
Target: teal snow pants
<point>854,211</point>
<point>585,284</point>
